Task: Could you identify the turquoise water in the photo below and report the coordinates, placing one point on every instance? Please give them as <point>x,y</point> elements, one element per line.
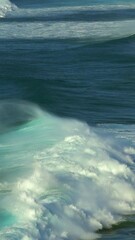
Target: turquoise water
<point>67,129</point>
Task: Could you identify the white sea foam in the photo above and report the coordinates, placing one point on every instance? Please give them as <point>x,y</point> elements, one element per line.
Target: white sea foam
<point>64,11</point>
<point>81,179</point>
<point>6,6</point>
<point>53,25</point>
<point>87,31</point>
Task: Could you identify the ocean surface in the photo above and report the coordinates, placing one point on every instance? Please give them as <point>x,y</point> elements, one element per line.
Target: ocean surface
<point>67,119</point>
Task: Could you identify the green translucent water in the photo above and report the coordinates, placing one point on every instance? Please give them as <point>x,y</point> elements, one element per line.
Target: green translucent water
<point>6,219</point>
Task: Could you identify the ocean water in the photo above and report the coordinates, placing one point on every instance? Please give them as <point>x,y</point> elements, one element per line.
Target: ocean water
<point>67,120</point>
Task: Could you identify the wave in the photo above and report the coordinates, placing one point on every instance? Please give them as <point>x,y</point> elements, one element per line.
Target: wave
<point>99,22</point>
<point>84,13</point>
<point>91,10</point>
<point>64,178</point>
<point>94,4</point>
<point>81,31</point>
<point>73,15</point>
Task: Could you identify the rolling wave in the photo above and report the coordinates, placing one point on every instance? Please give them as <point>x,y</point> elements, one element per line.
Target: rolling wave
<point>96,31</point>
<point>73,181</point>
<point>73,14</point>
<point>95,4</point>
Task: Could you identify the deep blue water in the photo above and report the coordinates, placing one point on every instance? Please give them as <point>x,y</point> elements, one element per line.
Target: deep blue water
<point>67,117</point>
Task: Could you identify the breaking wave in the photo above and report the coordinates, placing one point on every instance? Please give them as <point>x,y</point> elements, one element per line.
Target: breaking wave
<point>62,179</point>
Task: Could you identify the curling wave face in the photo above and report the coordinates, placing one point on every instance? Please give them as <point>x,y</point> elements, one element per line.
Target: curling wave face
<point>61,179</point>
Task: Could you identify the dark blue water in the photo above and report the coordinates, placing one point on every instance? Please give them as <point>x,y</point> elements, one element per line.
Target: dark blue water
<point>73,60</point>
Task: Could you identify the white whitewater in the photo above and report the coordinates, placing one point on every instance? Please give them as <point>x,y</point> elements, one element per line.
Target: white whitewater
<point>6,6</point>
<point>86,31</point>
<point>63,179</point>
